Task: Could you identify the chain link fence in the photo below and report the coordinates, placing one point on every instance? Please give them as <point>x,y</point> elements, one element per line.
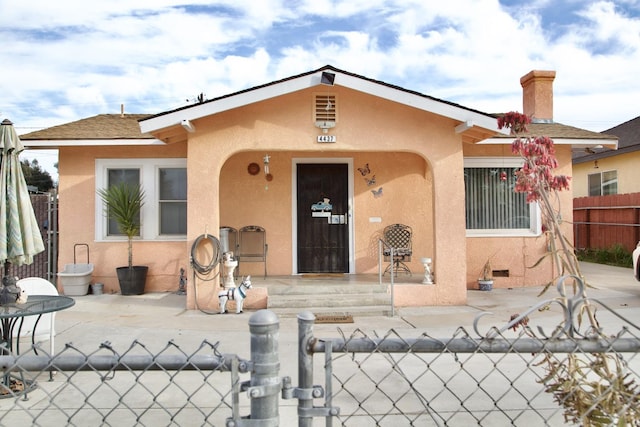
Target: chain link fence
<point>560,371</point>
<point>104,387</point>
<point>460,381</point>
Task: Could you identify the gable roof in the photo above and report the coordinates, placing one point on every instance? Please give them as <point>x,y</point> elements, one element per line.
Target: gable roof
<point>628,134</point>
<point>150,129</point>
<point>474,125</point>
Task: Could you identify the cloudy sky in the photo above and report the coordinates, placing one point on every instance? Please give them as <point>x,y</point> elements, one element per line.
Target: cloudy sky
<point>65,60</point>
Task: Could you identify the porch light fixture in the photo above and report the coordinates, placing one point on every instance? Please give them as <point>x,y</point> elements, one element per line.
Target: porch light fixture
<point>265,160</point>
<point>595,165</point>
<point>188,126</point>
<point>267,174</point>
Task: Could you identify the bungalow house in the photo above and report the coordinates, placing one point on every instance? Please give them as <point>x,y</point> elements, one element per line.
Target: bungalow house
<point>263,156</point>
<point>601,171</point>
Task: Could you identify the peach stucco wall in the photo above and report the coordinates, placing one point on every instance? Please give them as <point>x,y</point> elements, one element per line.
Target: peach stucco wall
<point>77,195</point>
<point>404,147</point>
<point>517,255</point>
<point>417,159</point>
<point>251,200</point>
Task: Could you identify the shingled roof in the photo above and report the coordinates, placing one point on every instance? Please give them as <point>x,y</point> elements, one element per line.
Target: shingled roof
<point>560,131</point>
<point>100,127</point>
<point>628,134</point>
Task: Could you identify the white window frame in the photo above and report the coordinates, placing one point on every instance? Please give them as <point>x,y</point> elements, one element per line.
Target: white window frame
<point>149,178</point>
<point>535,228</point>
<point>603,183</point>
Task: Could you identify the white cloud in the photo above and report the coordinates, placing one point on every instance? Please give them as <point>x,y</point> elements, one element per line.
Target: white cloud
<point>66,60</point>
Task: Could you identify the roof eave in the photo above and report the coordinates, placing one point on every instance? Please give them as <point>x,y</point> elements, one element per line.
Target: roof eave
<point>573,142</point>
<point>606,153</point>
<point>57,143</point>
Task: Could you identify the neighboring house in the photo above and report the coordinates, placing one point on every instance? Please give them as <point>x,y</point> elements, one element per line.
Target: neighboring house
<point>381,154</point>
<point>601,171</point>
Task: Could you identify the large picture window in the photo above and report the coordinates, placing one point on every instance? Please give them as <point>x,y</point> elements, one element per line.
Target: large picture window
<point>603,183</point>
<point>164,181</point>
<point>492,206</point>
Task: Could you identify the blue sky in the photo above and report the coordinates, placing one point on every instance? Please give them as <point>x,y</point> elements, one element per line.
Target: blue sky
<point>70,59</point>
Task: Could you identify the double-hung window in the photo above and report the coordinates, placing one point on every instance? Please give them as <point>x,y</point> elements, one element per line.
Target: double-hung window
<point>172,202</point>
<point>492,206</point>
<point>164,213</point>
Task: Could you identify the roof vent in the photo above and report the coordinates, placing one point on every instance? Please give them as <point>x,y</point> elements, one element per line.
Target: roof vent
<point>325,111</point>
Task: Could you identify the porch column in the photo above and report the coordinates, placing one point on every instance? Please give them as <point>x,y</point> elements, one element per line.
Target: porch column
<point>450,258</point>
<point>203,216</point>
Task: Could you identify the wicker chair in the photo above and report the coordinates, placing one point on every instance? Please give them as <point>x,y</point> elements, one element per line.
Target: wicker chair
<point>398,237</point>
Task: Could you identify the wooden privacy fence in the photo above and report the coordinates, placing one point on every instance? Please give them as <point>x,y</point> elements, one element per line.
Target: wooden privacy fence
<point>601,222</point>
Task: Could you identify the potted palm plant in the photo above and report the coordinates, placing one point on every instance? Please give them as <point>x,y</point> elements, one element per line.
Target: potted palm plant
<point>123,203</point>
<point>485,281</point>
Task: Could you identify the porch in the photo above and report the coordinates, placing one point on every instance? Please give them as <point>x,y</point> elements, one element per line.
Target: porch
<point>329,294</point>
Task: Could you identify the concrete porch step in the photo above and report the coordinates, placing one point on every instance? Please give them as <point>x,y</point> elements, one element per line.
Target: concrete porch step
<point>326,289</point>
<point>355,311</point>
<point>327,297</point>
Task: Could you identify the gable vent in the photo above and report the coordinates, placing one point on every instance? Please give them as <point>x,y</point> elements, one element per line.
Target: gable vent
<point>325,111</point>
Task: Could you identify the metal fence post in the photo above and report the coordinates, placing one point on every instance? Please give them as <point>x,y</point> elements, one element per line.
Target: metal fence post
<point>306,321</point>
<point>265,384</point>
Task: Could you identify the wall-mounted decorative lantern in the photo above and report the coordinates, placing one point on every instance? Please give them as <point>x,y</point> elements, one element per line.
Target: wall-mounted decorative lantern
<point>267,174</point>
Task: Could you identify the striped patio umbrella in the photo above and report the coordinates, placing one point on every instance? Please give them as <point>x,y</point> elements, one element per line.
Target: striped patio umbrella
<point>20,237</point>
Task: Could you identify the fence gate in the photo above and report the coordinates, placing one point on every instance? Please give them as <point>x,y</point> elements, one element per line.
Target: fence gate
<point>45,264</point>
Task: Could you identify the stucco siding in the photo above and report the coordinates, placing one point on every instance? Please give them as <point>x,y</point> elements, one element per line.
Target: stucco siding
<point>625,164</point>
<point>77,215</point>
<point>252,200</point>
<point>517,256</point>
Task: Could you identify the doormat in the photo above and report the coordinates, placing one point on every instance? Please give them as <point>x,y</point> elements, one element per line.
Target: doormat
<point>334,318</point>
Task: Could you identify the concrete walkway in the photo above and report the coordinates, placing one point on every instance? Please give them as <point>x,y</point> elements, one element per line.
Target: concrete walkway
<point>155,319</point>
<point>158,317</point>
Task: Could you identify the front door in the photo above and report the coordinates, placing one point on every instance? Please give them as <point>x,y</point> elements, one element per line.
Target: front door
<point>322,211</point>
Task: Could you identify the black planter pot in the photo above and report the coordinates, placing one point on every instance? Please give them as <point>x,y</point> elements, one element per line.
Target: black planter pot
<point>132,280</point>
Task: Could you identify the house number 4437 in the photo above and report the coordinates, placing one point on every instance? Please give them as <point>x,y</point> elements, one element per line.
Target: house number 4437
<point>326,138</point>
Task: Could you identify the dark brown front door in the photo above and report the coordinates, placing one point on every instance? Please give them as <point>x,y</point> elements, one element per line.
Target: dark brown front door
<point>323,233</point>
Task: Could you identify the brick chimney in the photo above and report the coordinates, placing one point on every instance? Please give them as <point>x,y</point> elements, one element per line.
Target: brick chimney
<point>537,95</point>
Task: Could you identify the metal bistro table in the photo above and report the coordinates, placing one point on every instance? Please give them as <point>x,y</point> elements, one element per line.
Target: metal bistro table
<point>12,315</point>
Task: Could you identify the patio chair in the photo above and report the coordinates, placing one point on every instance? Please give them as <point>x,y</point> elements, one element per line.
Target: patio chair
<point>252,246</point>
<point>398,237</point>
<point>45,329</point>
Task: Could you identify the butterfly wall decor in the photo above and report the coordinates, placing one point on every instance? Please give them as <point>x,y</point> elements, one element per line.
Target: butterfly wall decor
<point>377,193</point>
<point>371,181</point>
<point>365,170</point>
